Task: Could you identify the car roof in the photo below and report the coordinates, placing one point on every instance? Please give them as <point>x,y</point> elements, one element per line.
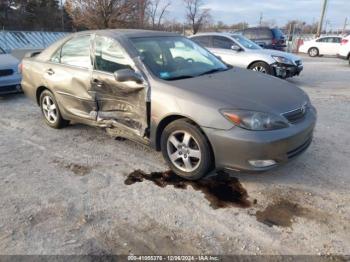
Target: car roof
<point>128,33</point>
<point>122,35</point>
<point>212,33</point>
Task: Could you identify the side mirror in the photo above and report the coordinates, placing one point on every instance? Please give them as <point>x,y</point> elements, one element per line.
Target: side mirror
<point>236,48</point>
<point>125,75</point>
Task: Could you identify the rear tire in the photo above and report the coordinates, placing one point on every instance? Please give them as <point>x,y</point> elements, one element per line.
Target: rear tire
<point>50,111</point>
<point>261,67</point>
<point>313,52</point>
<point>186,150</point>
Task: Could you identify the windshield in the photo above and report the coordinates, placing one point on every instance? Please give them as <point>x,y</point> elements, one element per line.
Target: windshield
<point>172,58</point>
<point>245,42</point>
<point>2,51</point>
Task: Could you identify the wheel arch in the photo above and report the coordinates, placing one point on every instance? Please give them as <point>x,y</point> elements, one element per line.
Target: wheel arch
<point>171,118</point>
<point>257,61</point>
<point>318,50</point>
<point>39,91</point>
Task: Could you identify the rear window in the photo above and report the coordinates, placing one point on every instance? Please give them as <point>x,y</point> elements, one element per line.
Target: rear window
<point>264,33</point>
<point>250,33</point>
<point>277,33</point>
<point>258,33</point>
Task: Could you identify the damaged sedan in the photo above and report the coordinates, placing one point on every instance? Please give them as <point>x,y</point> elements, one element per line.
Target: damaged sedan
<point>165,91</point>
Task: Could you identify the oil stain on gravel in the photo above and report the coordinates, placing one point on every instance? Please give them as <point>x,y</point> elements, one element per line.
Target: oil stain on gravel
<point>222,191</point>
<point>281,213</point>
<point>77,169</point>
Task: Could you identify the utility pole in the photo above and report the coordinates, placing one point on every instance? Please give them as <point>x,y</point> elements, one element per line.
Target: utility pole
<point>261,18</point>
<point>345,24</point>
<point>62,15</point>
<point>320,24</point>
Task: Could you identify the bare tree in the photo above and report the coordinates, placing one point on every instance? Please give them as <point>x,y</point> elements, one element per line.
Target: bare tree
<point>99,14</point>
<point>196,15</point>
<point>157,12</point>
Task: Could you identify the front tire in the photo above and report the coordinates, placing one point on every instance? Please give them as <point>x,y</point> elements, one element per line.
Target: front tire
<point>50,111</point>
<point>261,67</point>
<point>186,150</point>
<point>313,52</point>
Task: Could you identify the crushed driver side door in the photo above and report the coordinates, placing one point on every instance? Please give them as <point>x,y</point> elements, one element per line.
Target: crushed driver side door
<point>121,105</point>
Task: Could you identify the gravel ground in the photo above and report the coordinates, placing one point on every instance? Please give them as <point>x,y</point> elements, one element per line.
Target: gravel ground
<point>63,191</point>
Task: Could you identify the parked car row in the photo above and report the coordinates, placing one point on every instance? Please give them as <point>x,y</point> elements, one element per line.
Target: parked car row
<point>237,50</point>
<point>168,92</point>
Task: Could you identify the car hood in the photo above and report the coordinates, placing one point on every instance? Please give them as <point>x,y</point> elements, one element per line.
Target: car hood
<point>8,61</point>
<point>242,89</point>
<point>271,52</point>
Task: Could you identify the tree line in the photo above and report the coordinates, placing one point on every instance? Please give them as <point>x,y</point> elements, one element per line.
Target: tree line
<point>74,15</point>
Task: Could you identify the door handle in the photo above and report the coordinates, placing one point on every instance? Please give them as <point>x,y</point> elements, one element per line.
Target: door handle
<point>98,83</point>
<point>50,72</point>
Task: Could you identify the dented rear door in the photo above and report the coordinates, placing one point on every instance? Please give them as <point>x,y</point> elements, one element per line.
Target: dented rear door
<point>120,104</point>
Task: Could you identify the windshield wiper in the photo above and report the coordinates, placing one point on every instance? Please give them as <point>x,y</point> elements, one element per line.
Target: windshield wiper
<point>179,77</point>
<point>214,71</point>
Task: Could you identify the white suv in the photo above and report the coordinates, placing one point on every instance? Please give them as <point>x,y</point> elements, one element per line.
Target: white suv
<point>344,51</point>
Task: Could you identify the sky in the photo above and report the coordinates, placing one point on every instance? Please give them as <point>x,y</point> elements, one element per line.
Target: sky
<point>281,11</point>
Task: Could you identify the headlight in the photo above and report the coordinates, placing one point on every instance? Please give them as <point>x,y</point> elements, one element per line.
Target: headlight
<point>282,60</point>
<point>257,121</point>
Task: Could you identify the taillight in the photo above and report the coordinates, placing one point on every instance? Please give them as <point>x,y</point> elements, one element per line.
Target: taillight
<point>344,41</point>
<point>274,41</point>
<point>20,68</point>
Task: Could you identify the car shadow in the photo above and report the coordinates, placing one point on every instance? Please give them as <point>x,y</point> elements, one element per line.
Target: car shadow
<point>11,96</point>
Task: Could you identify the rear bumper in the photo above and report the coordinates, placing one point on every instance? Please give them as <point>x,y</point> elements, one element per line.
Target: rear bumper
<point>286,71</point>
<point>235,148</point>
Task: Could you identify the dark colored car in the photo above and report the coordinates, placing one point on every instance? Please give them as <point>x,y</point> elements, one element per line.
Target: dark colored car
<point>266,37</point>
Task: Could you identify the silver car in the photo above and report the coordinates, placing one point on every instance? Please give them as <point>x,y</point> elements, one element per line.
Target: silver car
<point>10,77</point>
<point>236,50</point>
<point>165,91</point>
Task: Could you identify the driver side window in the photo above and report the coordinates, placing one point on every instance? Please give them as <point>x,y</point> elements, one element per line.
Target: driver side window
<point>110,56</point>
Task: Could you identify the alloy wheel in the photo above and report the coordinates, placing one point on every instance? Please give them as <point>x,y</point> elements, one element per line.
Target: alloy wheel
<point>183,151</point>
<point>260,69</point>
<point>313,52</point>
<point>49,109</point>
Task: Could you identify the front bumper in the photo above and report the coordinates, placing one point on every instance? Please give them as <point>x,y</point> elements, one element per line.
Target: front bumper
<point>234,148</point>
<point>286,71</point>
<point>10,84</point>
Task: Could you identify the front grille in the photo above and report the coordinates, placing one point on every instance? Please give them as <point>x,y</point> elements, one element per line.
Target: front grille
<point>300,149</point>
<point>6,72</point>
<point>296,115</point>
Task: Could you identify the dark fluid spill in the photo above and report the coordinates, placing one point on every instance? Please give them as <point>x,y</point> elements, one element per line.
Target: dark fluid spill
<point>222,191</point>
<point>280,213</point>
